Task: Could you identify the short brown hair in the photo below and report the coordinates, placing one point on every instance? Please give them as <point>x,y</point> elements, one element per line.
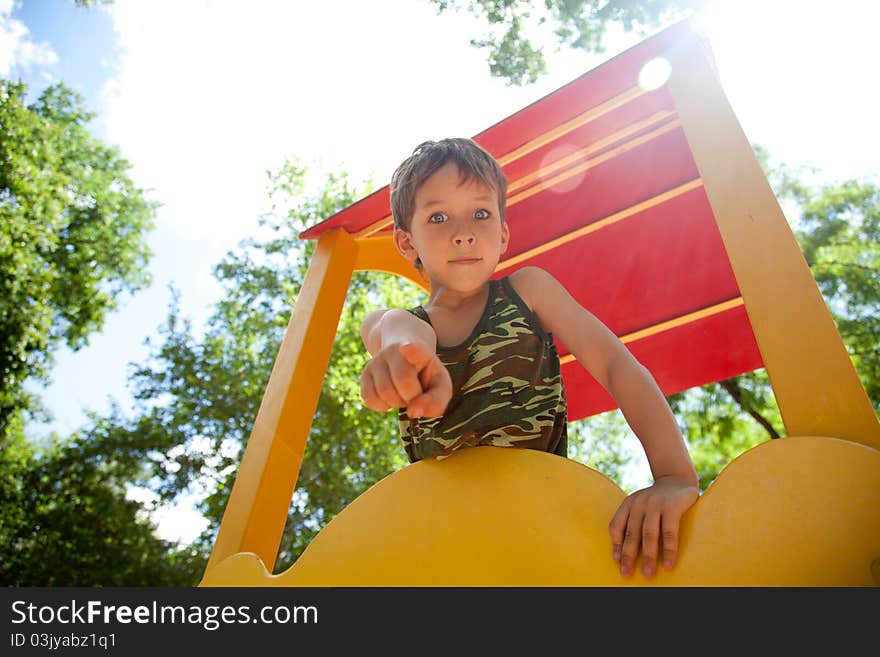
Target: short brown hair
<point>472,160</point>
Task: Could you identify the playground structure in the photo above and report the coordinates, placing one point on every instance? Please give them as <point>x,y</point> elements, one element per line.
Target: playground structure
<point>648,203</point>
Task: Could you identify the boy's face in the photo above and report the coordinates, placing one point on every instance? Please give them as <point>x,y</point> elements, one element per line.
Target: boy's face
<point>456,231</point>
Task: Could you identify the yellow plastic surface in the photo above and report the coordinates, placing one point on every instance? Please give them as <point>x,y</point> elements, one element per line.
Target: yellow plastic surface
<point>791,512</point>
<point>380,254</point>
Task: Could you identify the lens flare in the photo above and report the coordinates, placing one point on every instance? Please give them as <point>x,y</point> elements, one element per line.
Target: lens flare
<point>654,74</point>
<point>555,169</point>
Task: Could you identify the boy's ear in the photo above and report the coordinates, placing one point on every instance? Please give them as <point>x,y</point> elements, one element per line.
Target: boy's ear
<point>403,242</point>
<point>505,237</point>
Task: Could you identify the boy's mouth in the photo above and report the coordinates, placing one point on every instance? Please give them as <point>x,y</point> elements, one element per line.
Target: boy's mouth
<point>465,261</point>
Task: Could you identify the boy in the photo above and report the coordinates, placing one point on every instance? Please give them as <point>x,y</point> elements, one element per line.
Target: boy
<point>477,364</point>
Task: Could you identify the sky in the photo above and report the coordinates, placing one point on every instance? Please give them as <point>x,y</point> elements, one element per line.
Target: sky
<point>204,96</point>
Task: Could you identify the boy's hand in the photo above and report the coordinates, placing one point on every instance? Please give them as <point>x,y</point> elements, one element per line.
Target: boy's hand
<point>648,518</point>
<point>406,375</point>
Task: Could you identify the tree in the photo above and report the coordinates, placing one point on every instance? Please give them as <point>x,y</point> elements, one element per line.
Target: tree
<point>515,24</point>
<point>840,237</point>
<point>67,521</point>
<point>197,398</point>
<point>72,235</point>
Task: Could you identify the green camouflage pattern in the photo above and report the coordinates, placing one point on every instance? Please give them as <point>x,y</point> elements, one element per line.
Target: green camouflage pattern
<point>507,386</point>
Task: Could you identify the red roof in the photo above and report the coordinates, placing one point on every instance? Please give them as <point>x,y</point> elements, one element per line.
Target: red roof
<point>605,195</point>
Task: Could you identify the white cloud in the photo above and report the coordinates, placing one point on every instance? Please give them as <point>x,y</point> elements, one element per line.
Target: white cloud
<point>17,49</point>
<point>179,522</point>
<point>208,96</point>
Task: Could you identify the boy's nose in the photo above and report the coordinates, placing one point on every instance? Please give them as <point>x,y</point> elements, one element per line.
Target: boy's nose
<point>464,238</point>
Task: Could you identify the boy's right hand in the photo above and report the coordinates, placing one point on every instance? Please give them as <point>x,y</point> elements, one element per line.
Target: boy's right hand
<point>406,375</point>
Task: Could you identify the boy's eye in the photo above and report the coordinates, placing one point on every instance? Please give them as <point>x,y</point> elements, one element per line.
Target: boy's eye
<point>437,218</point>
<point>481,214</point>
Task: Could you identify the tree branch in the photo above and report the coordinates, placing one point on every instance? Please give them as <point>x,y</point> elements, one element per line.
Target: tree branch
<point>733,389</point>
<point>830,264</point>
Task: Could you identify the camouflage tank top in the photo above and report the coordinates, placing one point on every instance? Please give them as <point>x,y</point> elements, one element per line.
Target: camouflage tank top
<point>506,386</point>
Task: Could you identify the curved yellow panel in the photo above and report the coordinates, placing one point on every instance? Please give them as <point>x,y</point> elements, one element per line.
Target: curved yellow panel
<point>380,254</point>
<point>801,511</point>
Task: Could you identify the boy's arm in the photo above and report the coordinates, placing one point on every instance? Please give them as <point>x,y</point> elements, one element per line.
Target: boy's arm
<point>383,327</point>
<point>404,370</point>
<point>652,515</point>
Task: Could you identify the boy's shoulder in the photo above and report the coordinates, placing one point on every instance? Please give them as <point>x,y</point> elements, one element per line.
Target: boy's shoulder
<point>529,282</point>
<point>527,274</point>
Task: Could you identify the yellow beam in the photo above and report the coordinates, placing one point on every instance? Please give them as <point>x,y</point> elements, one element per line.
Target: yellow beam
<point>591,163</point>
<point>624,133</point>
<point>600,224</point>
<point>581,119</point>
<point>816,386</point>
<point>668,325</point>
<point>260,499</point>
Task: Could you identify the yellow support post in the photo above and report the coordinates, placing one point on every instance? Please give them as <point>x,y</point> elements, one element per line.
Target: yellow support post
<point>260,499</point>
<point>816,386</point>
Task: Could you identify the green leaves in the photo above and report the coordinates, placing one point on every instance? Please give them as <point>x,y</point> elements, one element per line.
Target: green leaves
<point>67,521</point>
<point>518,30</point>
<point>72,235</point>
<point>839,231</point>
<point>72,242</point>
